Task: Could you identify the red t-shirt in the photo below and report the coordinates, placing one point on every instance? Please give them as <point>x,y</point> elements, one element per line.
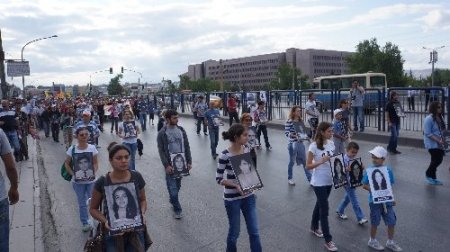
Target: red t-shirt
<point>232,105</point>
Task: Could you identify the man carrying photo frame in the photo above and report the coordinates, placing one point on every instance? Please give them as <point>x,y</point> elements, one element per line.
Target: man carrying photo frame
<point>172,139</point>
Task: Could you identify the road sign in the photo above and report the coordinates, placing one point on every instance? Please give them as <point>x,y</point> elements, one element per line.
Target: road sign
<point>18,68</point>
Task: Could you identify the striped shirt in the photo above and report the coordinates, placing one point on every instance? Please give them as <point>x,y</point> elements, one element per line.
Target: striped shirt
<point>293,127</point>
<point>225,172</point>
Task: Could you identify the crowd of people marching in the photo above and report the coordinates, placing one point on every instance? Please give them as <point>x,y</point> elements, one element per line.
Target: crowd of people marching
<point>117,199</point>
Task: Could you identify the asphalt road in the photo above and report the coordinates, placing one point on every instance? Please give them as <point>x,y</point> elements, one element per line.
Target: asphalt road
<point>284,212</point>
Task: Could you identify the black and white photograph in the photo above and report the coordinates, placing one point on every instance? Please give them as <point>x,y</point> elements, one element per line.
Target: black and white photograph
<point>399,109</point>
<point>179,165</point>
<point>380,185</point>
<point>83,168</point>
<point>301,131</point>
<point>124,212</point>
<point>91,139</point>
<point>356,172</point>
<point>246,172</point>
<point>252,139</point>
<point>129,129</point>
<point>446,140</point>
<point>217,121</point>
<point>338,171</point>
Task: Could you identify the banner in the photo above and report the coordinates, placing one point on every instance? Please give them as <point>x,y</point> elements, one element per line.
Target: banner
<point>17,68</point>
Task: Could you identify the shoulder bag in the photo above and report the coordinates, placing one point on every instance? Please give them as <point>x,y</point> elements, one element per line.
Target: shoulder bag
<point>64,173</point>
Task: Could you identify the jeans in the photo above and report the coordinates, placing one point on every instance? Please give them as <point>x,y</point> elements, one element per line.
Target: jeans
<point>358,113</point>
<point>132,162</point>
<point>114,124</point>
<point>4,225</point>
<point>437,155</point>
<point>350,196</point>
<point>46,126</point>
<point>13,140</point>
<point>110,242</point>
<point>392,146</point>
<point>263,128</point>
<point>83,192</point>
<point>233,115</point>
<point>248,207</point>
<point>143,120</point>
<point>293,151</point>
<point>214,138</point>
<point>320,212</point>
<point>55,131</point>
<point>201,121</point>
<point>173,186</point>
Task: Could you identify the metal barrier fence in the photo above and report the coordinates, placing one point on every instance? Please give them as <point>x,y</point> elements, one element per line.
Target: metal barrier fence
<point>279,102</point>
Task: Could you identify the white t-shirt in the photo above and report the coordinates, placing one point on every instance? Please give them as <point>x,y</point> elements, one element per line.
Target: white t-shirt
<point>321,175</point>
<point>311,107</point>
<point>91,148</point>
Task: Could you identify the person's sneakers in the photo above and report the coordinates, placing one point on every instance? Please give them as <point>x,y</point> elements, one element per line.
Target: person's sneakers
<point>291,182</point>
<point>269,147</point>
<point>331,246</point>
<point>393,246</point>
<point>362,221</point>
<point>198,134</point>
<point>342,216</point>
<point>178,215</point>
<point>86,228</point>
<point>215,156</point>
<point>373,243</point>
<point>205,133</point>
<point>432,181</point>
<point>317,233</point>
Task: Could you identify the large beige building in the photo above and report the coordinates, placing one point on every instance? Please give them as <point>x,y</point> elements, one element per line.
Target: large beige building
<point>257,71</point>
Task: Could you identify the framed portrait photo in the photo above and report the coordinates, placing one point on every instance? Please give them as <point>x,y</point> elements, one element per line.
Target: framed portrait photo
<point>380,185</point>
<point>83,166</point>
<point>179,165</point>
<point>356,172</point>
<point>246,173</point>
<point>124,212</point>
<point>338,171</point>
<point>129,129</point>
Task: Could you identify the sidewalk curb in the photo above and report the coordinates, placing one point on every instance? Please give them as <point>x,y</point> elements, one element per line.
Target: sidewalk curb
<point>381,138</point>
<point>38,239</point>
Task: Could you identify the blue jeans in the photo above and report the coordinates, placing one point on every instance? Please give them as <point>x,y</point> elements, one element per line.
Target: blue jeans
<point>13,140</point>
<point>114,124</point>
<point>350,196</point>
<point>83,192</point>
<point>292,149</point>
<point>320,212</point>
<point>248,207</point>
<point>173,186</point>
<point>143,120</point>
<point>358,113</point>
<point>214,138</point>
<point>132,162</point>
<point>395,128</point>
<point>46,126</point>
<point>4,225</point>
<point>201,121</point>
<point>110,242</point>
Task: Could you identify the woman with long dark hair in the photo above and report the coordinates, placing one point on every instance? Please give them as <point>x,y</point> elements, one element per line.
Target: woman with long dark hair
<point>318,157</point>
<point>434,142</point>
<point>234,198</point>
<point>119,155</point>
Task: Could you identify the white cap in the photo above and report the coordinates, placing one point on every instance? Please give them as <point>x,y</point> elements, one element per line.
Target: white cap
<point>337,111</point>
<point>379,152</point>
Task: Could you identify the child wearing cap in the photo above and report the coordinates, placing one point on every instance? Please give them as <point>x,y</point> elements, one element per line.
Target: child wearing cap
<point>385,210</point>
<point>339,132</point>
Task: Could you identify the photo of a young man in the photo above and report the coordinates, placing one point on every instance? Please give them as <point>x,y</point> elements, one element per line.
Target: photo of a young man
<point>83,166</point>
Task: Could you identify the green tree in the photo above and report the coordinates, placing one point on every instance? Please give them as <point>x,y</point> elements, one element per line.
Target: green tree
<point>185,82</point>
<point>286,75</point>
<point>114,87</point>
<point>369,56</point>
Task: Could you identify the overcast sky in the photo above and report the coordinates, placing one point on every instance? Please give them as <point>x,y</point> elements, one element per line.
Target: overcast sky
<point>161,38</point>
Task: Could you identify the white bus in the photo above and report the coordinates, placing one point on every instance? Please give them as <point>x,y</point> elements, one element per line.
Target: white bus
<point>366,80</point>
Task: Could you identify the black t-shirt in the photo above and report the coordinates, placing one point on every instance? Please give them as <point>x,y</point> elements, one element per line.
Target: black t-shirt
<point>390,108</point>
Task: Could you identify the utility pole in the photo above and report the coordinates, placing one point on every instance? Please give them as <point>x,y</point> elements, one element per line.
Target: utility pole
<point>433,59</point>
<point>3,85</point>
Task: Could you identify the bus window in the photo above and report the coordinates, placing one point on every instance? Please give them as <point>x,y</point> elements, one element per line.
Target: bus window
<point>330,84</point>
<point>346,82</point>
<point>325,84</point>
<point>361,80</point>
<point>377,81</point>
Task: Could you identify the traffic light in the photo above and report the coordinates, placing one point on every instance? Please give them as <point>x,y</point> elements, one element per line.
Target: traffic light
<point>110,70</point>
<point>122,69</point>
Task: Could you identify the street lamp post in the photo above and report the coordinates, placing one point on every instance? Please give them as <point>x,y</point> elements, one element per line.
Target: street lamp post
<point>21,58</point>
<point>433,59</point>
